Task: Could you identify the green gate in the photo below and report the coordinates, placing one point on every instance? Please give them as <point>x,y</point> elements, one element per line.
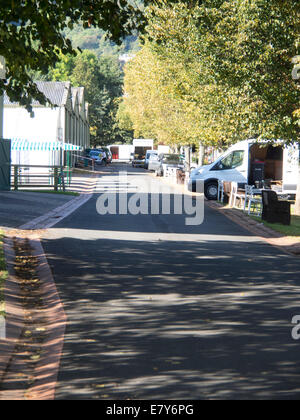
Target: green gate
<point>5,164</point>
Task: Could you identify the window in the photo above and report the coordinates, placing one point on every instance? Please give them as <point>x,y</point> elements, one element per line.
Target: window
<point>232,161</point>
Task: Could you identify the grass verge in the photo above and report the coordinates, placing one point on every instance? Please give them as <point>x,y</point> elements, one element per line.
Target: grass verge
<point>293,230</point>
<point>290,231</point>
<point>3,275</point>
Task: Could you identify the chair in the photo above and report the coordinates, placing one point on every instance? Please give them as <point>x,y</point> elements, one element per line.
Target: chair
<point>235,194</point>
<point>274,210</point>
<point>250,199</point>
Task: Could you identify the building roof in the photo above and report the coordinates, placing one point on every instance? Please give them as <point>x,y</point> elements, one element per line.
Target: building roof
<point>60,94</point>
<point>56,92</point>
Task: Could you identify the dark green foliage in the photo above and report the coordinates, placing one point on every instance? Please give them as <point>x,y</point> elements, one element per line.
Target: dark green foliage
<point>32,35</point>
<point>103,82</point>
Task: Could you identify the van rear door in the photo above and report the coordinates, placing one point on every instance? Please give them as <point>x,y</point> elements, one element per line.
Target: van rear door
<point>290,168</point>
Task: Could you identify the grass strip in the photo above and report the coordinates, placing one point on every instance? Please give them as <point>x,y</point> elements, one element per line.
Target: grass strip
<point>293,230</point>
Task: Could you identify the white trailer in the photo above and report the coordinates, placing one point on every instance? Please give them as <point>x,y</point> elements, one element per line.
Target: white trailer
<point>145,143</point>
<point>121,152</point>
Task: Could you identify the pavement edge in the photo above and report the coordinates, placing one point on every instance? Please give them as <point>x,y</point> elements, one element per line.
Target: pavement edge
<point>15,316</point>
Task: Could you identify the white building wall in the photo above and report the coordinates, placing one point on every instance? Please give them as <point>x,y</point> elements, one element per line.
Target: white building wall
<point>19,125</point>
<point>58,124</point>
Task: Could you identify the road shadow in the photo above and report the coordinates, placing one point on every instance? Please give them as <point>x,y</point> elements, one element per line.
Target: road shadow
<point>176,320</point>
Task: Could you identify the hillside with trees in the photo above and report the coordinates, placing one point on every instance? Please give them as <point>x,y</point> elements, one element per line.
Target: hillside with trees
<point>95,40</point>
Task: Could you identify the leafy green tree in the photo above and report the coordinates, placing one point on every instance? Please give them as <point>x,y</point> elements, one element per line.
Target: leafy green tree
<point>63,69</point>
<point>124,122</point>
<point>226,62</point>
<point>166,97</point>
<point>32,35</point>
<point>103,83</point>
<point>296,78</point>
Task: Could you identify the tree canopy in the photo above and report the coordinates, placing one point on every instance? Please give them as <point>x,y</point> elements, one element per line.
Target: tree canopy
<point>217,71</point>
<point>102,79</point>
<point>32,35</point>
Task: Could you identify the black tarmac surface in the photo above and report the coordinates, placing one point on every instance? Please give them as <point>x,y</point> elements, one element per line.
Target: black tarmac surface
<point>160,310</point>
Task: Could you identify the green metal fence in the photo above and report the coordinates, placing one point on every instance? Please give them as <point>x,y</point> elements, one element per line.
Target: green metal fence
<point>5,164</point>
<point>38,176</point>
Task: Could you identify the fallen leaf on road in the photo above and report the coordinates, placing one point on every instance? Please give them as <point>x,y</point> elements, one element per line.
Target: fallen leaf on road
<point>35,357</point>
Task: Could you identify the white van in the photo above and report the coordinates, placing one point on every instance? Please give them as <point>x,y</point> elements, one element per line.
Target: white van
<point>248,162</point>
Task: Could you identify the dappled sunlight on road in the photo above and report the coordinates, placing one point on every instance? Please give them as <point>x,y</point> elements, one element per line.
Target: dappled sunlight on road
<point>132,236</point>
<point>170,319</point>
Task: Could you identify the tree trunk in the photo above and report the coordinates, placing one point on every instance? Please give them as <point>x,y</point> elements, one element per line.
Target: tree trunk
<point>187,151</point>
<point>201,154</point>
<point>297,208</point>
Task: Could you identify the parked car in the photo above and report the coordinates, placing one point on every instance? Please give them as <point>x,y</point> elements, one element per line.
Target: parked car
<point>106,154</point>
<point>158,164</point>
<point>149,155</point>
<point>97,156</point>
<point>249,162</point>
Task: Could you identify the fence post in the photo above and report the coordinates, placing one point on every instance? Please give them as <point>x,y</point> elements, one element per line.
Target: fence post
<point>62,179</point>
<point>16,177</point>
<point>56,180</point>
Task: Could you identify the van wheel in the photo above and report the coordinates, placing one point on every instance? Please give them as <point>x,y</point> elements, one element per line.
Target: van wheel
<point>211,190</point>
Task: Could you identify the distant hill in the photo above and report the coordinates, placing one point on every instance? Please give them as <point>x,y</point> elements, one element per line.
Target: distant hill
<point>94,39</point>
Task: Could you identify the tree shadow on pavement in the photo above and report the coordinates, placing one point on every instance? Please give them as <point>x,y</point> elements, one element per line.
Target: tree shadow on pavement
<point>176,320</point>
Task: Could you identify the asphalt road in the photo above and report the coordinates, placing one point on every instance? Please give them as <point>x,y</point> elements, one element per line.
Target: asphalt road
<point>19,207</point>
<point>160,310</point>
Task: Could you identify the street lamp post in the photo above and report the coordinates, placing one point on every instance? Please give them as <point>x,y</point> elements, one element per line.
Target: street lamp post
<point>2,76</point>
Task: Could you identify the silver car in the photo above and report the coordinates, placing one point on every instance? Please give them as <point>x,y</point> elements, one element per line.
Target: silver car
<point>159,163</point>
